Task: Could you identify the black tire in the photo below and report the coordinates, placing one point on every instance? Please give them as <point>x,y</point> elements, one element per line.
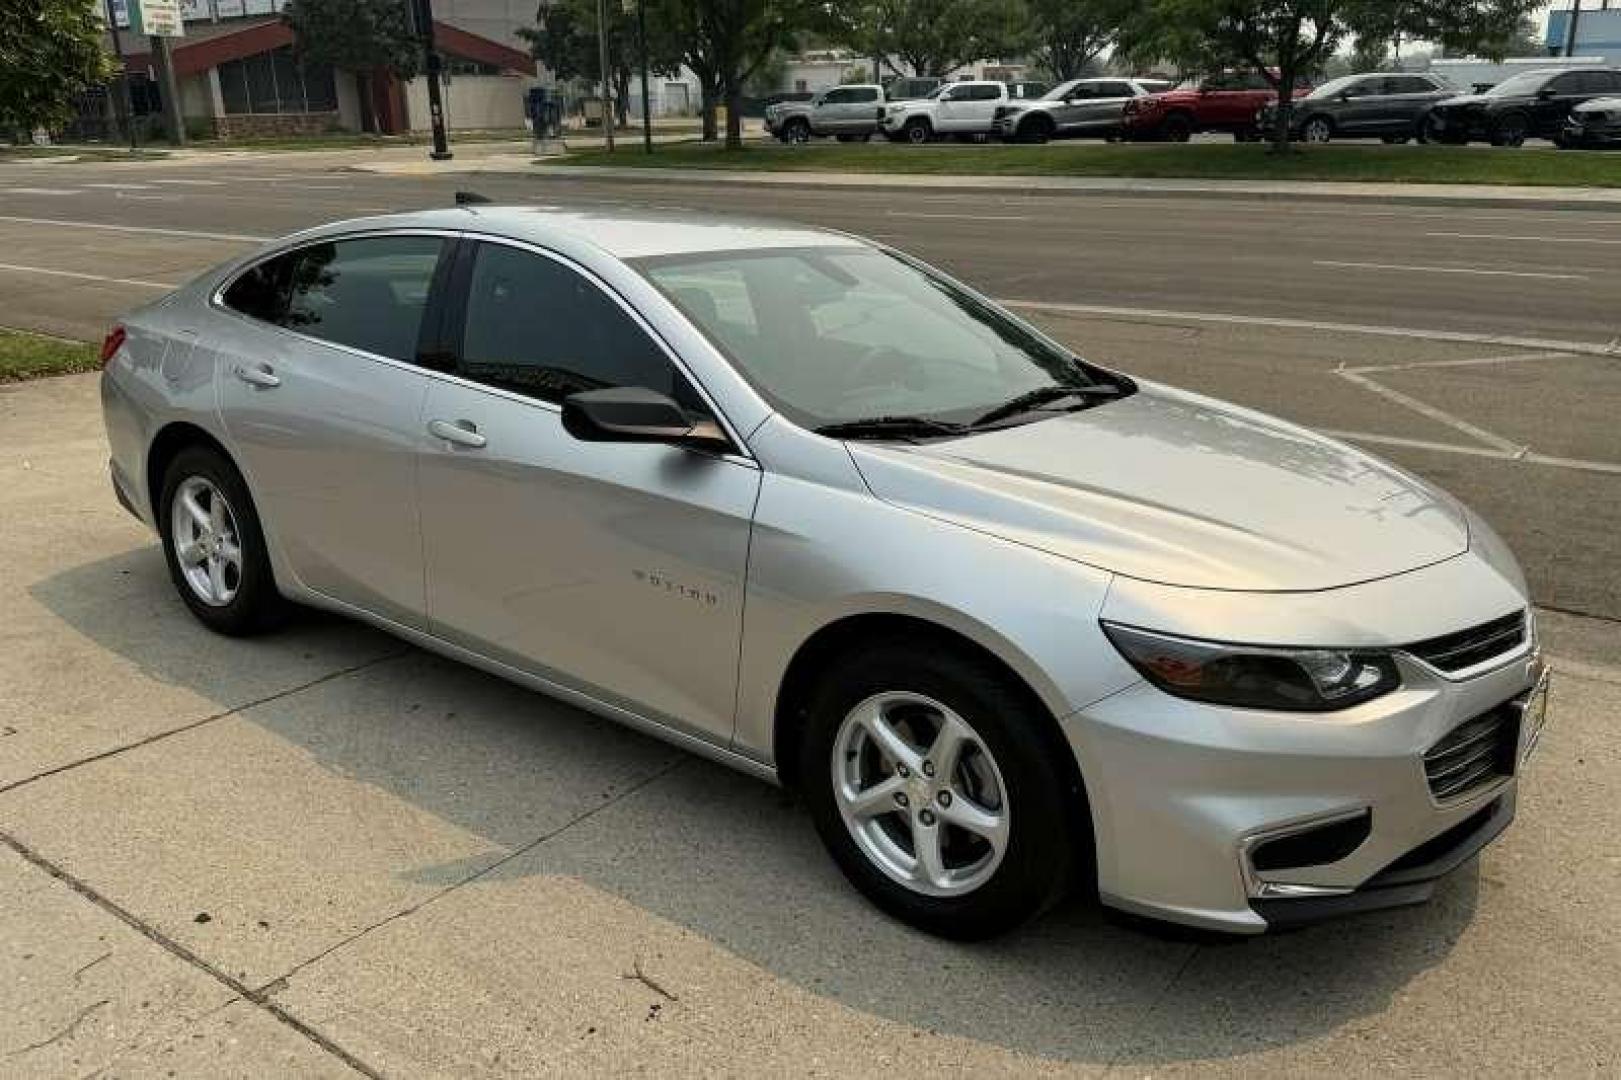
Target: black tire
<point>1035,131</point>
<point>917,131</point>
<point>257,605</point>
<point>1046,847</point>
<point>796,131</point>
<point>1177,128</point>
<point>1511,130</point>
<point>1318,130</point>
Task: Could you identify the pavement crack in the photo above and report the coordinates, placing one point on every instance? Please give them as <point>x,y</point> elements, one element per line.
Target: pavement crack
<point>193,725</point>
<point>636,974</point>
<point>181,952</point>
<point>90,965</point>
<point>65,1033</point>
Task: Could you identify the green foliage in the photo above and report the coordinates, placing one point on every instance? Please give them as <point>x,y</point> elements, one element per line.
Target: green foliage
<point>1067,35</point>
<point>564,38</point>
<point>725,42</point>
<point>50,51</point>
<point>360,35</point>
<point>933,37</point>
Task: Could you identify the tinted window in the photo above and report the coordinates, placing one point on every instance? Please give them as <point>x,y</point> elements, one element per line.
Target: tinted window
<point>1114,89</point>
<point>537,327</point>
<point>868,94</point>
<point>836,97</point>
<point>368,294</point>
<point>1409,84</point>
<point>1572,82</point>
<point>1595,82</point>
<point>261,292</point>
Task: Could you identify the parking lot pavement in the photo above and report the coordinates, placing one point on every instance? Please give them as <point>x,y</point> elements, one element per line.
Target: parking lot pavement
<point>327,852</point>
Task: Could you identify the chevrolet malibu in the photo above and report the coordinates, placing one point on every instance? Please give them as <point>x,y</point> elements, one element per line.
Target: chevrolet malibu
<point>1012,623</point>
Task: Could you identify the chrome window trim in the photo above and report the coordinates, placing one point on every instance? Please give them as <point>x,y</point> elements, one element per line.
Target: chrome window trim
<point>216,302</point>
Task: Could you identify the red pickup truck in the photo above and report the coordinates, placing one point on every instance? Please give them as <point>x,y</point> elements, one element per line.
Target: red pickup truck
<point>1225,102</point>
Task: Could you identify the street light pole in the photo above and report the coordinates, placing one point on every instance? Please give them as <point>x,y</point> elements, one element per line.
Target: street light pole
<point>422,11</point>
<point>647,115</point>
<point>602,59</point>
<point>123,75</point>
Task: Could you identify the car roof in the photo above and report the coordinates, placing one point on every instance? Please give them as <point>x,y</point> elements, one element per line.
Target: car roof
<point>621,234</point>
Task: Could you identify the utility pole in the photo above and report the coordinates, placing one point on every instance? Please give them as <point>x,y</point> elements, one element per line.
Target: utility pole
<point>123,75</point>
<point>172,118</point>
<point>1570,36</point>
<point>602,59</point>
<point>422,12</point>
<point>647,114</point>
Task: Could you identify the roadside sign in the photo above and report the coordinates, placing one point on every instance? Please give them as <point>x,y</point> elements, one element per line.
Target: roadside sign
<point>159,18</point>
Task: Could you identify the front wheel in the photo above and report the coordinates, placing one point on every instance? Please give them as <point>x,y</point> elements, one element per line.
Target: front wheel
<point>1511,131</point>
<point>1177,128</point>
<point>1317,130</point>
<point>214,545</point>
<point>796,132</point>
<point>931,783</point>
<point>917,132</point>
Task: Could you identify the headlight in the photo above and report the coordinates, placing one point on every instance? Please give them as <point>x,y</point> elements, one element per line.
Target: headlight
<point>1256,677</point>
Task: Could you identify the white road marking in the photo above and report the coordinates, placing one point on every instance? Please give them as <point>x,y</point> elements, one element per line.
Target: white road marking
<point>142,229</point>
<point>41,191</point>
<point>1440,416</point>
<point>1578,464</point>
<point>16,269</point>
<point>120,186</point>
<point>1524,239</point>
<point>1105,311</point>
<point>193,183</point>
<point>1479,361</point>
<point>956,217</point>
<point>1447,270</point>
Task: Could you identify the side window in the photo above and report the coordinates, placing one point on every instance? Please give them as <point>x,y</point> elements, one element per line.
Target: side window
<point>1571,82</point>
<point>987,92</point>
<point>539,328</point>
<point>868,94</point>
<point>836,97</point>
<point>1082,92</point>
<point>1114,90</point>
<point>261,292</point>
<point>1596,82</point>
<point>368,294</point>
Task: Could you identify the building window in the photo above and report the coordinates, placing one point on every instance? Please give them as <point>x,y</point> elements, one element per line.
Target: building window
<point>275,82</point>
<point>460,65</point>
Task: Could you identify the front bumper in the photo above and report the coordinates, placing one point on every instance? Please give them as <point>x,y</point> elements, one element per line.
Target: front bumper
<point>1184,794</point>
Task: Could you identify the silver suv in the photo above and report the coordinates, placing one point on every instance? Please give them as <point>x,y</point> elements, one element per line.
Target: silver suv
<point>850,113</point>
<point>1010,622</point>
<point>1080,108</point>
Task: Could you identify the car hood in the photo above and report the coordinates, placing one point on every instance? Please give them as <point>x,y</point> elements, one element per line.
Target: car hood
<point>1176,488</point>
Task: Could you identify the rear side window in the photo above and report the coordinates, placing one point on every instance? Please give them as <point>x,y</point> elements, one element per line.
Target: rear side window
<point>367,294</point>
<point>537,327</point>
<point>1114,89</point>
<point>261,292</point>
<point>867,94</point>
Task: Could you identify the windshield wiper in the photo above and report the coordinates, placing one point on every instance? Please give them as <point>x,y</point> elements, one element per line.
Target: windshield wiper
<point>1042,396</point>
<point>891,427</point>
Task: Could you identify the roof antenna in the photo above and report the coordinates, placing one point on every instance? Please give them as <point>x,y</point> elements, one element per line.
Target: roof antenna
<point>471,198</point>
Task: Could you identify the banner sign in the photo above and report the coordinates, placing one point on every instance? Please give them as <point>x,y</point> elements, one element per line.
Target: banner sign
<point>159,18</point>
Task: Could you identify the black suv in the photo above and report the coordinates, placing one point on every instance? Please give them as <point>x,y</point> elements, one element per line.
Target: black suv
<point>1381,105</point>
<point>1530,105</point>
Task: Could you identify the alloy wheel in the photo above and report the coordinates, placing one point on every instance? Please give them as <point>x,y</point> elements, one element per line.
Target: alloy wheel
<point>207,541</point>
<point>921,794</point>
<point>1318,131</point>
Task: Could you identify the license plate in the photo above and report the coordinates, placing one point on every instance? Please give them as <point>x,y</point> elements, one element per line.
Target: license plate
<point>1533,716</point>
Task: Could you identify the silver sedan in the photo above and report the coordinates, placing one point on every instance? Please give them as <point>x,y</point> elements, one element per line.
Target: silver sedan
<point>1012,624</point>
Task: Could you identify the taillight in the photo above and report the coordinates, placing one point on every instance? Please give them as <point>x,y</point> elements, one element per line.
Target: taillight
<point>111,344</point>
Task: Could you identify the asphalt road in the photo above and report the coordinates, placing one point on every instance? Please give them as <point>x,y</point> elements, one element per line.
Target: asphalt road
<point>326,853</point>
<point>1186,289</point>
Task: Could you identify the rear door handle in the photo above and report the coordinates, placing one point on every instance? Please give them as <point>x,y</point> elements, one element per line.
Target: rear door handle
<point>260,375</point>
<point>460,432</point>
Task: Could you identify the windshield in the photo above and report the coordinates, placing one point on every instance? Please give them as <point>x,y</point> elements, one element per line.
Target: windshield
<point>1334,86</point>
<point>835,334</point>
<point>1524,84</point>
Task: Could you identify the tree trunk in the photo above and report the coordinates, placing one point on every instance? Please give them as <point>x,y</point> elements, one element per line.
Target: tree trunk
<point>622,94</point>
<point>734,115</point>
<point>1283,120</point>
<point>366,85</point>
<point>706,95</point>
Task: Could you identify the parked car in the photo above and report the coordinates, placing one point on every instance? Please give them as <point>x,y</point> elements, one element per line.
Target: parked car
<point>849,113</point>
<point>1224,102</point>
<point>1080,108</point>
<point>794,501</point>
<point>1530,105</point>
<point>1385,105</point>
<point>1593,124</point>
<point>961,109</point>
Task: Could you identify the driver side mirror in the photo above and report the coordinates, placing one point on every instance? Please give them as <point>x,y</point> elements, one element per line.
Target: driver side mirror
<point>1545,93</point>
<point>635,414</point>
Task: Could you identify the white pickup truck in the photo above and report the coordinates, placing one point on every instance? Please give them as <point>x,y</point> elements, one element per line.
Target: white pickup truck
<point>963,109</point>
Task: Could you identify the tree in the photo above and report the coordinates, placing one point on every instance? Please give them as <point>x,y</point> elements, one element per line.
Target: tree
<point>372,38</point>
<point>564,38</point>
<point>1288,40</point>
<point>933,37</point>
<point>50,51</point>
<point>1069,34</point>
<point>724,42</point>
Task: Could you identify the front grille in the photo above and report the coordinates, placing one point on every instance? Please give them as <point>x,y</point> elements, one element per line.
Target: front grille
<point>1466,648</point>
<point>1475,753</point>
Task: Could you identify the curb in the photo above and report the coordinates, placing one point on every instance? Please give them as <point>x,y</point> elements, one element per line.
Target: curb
<point>1602,200</point>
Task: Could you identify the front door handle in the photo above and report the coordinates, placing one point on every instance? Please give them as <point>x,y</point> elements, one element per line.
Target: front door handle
<point>261,375</point>
<point>460,432</point>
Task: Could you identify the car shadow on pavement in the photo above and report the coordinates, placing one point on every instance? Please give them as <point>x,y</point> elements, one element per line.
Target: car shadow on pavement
<point>738,862</point>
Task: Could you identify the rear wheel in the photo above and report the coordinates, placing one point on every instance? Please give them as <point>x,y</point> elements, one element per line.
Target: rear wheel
<point>796,131</point>
<point>1035,130</point>
<point>214,546</point>
<point>931,784</point>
